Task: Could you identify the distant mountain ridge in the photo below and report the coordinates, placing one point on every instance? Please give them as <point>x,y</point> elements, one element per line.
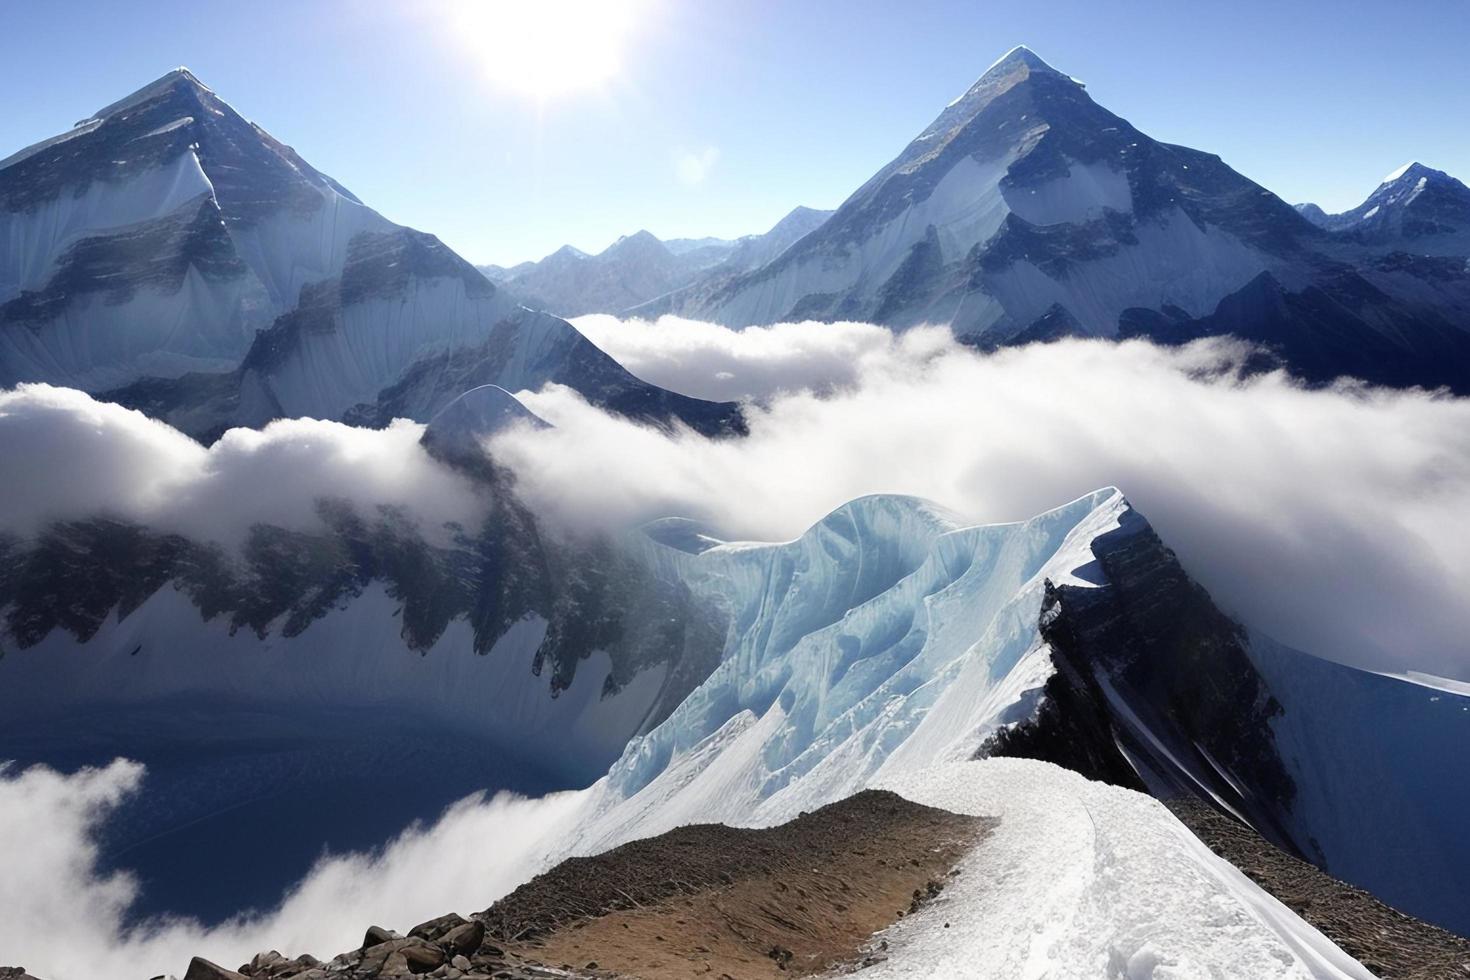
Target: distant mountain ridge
<point>639,268</point>
<point>170,255</point>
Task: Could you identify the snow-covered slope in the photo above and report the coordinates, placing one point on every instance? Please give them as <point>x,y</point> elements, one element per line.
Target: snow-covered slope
<point>168,254</point>
<point>1382,778</point>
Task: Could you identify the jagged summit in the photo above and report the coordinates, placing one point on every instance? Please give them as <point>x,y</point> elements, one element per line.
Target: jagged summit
<point>1019,56</point>
<point>178,78</point>
<point>1013,68</point>
<point>1412,173</point>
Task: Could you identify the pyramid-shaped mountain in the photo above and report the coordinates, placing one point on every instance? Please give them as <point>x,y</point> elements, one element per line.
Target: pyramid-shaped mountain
<point>169,254</point>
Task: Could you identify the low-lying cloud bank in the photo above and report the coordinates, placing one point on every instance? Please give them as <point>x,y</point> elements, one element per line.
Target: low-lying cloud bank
<point>1332,519</point>
<point>706,360</point>
<point>64,455</point>
<point>477,851</point>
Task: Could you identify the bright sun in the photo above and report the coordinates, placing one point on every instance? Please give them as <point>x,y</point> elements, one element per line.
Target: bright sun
<point>547,48</point>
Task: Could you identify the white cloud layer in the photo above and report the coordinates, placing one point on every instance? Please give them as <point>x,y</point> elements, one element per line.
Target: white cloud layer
<point>477,851</point>
<point>706,360</point>
<point>63,455</point>
<point>1331,519</point>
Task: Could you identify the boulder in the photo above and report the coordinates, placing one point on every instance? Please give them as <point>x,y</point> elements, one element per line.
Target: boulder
<point>202,969</point>
<point>422,959</point>
<point>435,928</point>
<point>465,938</point>
<point>376,936</point>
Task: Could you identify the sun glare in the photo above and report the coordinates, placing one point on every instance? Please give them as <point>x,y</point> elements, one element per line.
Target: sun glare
<point>549,48</point>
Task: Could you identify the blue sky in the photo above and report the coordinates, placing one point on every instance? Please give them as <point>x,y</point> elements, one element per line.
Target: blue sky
<point>722,115</point>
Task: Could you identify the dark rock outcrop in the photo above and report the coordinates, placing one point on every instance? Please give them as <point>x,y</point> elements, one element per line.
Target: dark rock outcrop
<point>1154,688</point>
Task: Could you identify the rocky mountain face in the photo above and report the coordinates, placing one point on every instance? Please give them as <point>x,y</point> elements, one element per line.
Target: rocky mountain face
<point>1027,211</point>
<point>1156,689</point>
<point>639,269</point>
<point>170,255</point>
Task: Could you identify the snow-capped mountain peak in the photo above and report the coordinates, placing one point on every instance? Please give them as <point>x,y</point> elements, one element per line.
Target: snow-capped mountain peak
<point>178,78</point>
<point>1400,172</point>
<point>1412,174</point>
<point>1416,208</point>
<point>1015,65</point>
<point>1026,211</point>
<point>175,257</point>
<point>1011,69</point>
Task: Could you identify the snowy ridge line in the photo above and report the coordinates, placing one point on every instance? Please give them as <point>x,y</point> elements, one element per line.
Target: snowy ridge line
<point>885,637</point>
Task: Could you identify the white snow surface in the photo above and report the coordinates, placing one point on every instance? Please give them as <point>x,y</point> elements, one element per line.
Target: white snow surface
<point>1174,262</point>
<point>1084,880</point>
<point>1397,173</point>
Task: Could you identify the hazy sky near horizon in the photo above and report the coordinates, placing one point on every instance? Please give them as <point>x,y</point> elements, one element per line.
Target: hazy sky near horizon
<point>508,134</point>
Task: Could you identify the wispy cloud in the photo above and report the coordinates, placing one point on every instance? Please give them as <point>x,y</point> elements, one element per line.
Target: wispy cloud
<point>693,166</point>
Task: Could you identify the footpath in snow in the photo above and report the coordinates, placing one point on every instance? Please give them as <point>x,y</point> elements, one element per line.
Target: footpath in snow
<point>1084,880</point>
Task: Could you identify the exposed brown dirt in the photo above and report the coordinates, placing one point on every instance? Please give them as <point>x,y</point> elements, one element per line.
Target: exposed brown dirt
<point>705,900</point>
<point>714,901</point>
<point>1393,945</point>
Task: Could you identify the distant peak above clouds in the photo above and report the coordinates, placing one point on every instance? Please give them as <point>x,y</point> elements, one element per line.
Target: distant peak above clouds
<point>1025,204</point>
<point>174,257</point>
